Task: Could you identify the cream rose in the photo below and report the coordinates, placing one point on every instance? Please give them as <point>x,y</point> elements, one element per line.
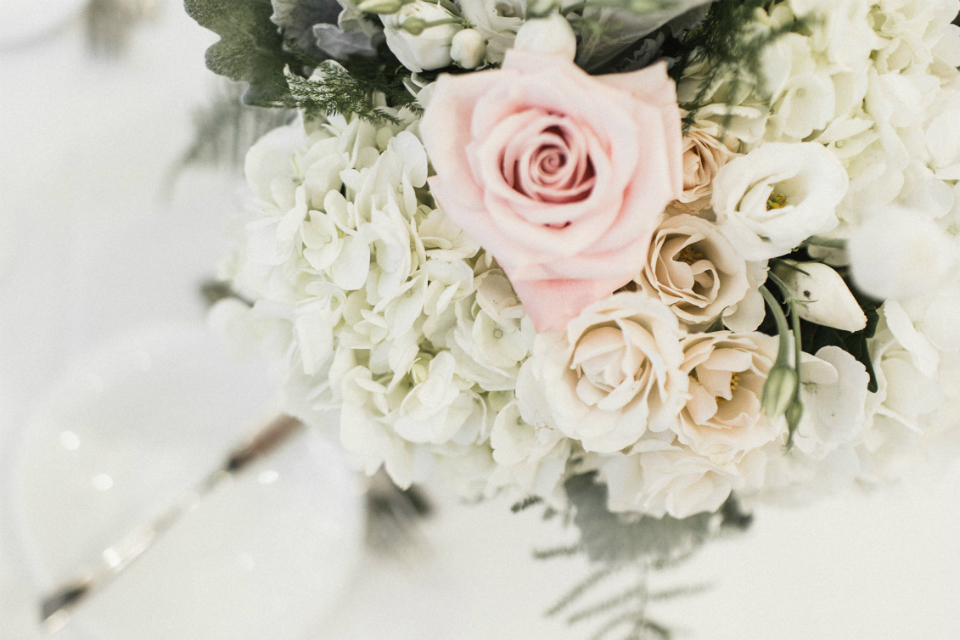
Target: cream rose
<point>722,419</point>
<point>694,270</point>
<point>611,375</point>
<point>703,155</point>
<point>562,176</point>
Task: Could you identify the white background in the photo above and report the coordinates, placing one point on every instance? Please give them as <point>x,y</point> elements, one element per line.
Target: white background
<point>89,249</point>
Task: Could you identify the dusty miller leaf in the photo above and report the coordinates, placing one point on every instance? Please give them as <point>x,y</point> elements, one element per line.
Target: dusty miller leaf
<point>250,48</point>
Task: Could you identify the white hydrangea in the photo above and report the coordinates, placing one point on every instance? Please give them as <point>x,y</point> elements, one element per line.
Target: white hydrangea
<point>388,311</point>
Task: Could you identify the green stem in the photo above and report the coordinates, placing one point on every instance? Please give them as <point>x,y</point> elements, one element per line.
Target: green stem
<point>783,352</point>
<point>830,243</point>
<point>451,7</point>
<point>797,351</point>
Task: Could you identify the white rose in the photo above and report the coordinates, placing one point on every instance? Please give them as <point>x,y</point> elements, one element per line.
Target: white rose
<point>723,419</point>
<point>770,200</point>
<point>552,34</point>
<point>610,375</point>
<point>694,270</point>
<point>428,50</point>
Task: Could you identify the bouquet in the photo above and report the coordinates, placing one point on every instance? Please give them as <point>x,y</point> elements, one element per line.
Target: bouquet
<point>652,263</point>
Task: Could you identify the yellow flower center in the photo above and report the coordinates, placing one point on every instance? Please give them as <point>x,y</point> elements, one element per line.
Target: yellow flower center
<point>776,201</point>
<point>734,384</point>
<point>689,254</point>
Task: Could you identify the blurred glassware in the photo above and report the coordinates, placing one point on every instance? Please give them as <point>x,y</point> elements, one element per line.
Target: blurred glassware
<point>110,23</point>
<point>265,556</point>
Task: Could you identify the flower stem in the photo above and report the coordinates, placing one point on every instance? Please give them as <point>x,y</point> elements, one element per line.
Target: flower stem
<point>830,243</point>
<point>783,353</point>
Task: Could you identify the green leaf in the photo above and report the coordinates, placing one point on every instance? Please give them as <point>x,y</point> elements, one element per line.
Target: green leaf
<point>815,337</point>
<point>250,48</point>
<point>609,537</point>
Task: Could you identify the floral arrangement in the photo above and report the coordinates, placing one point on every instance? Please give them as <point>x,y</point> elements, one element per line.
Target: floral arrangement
<point>697,250</point>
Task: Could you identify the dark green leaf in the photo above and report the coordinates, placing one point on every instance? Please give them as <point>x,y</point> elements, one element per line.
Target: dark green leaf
<point>250,48</point>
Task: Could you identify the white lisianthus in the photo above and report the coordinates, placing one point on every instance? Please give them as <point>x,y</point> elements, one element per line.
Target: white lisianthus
<point>694,270</point>
<point>430,47</point>
<point>776,196</point>
<point>824,296</point>
<point>611,375</point>
<point>551,34</point>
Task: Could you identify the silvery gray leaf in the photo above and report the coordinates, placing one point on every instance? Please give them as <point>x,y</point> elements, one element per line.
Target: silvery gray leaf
<point>336,44</point>
<point>298,17</point>
<point>619,28</point>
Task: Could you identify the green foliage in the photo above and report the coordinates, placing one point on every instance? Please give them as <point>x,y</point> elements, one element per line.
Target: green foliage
<point>253,50</point>
<point>225,129</point>
<point>352,90</point>
<point>814,336</point>
<point>728,40</point>
<point>250,48</point>
<point>526,503</point>
<point>630,547</point>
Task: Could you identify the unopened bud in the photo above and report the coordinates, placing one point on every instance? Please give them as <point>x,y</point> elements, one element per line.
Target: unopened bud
<point>825,297</point>
<point>542,8</point>
<point>794,414</point>
<point>552,34</point>
<point>778,391</point>
<point>385,7</point>
<point>414,26</point>
<point>468,48</point>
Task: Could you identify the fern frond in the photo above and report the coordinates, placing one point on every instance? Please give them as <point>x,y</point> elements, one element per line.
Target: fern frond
<point>581,588</point>
<point>352,91</point>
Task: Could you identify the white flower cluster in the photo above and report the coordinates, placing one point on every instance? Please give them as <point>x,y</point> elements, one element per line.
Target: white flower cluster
<point>861,143</point>
<point>384,309</point>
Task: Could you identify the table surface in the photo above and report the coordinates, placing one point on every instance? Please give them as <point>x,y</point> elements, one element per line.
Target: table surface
<point>89,249</point>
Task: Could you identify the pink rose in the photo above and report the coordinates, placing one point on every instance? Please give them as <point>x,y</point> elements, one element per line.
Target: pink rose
<point>562,176</point>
